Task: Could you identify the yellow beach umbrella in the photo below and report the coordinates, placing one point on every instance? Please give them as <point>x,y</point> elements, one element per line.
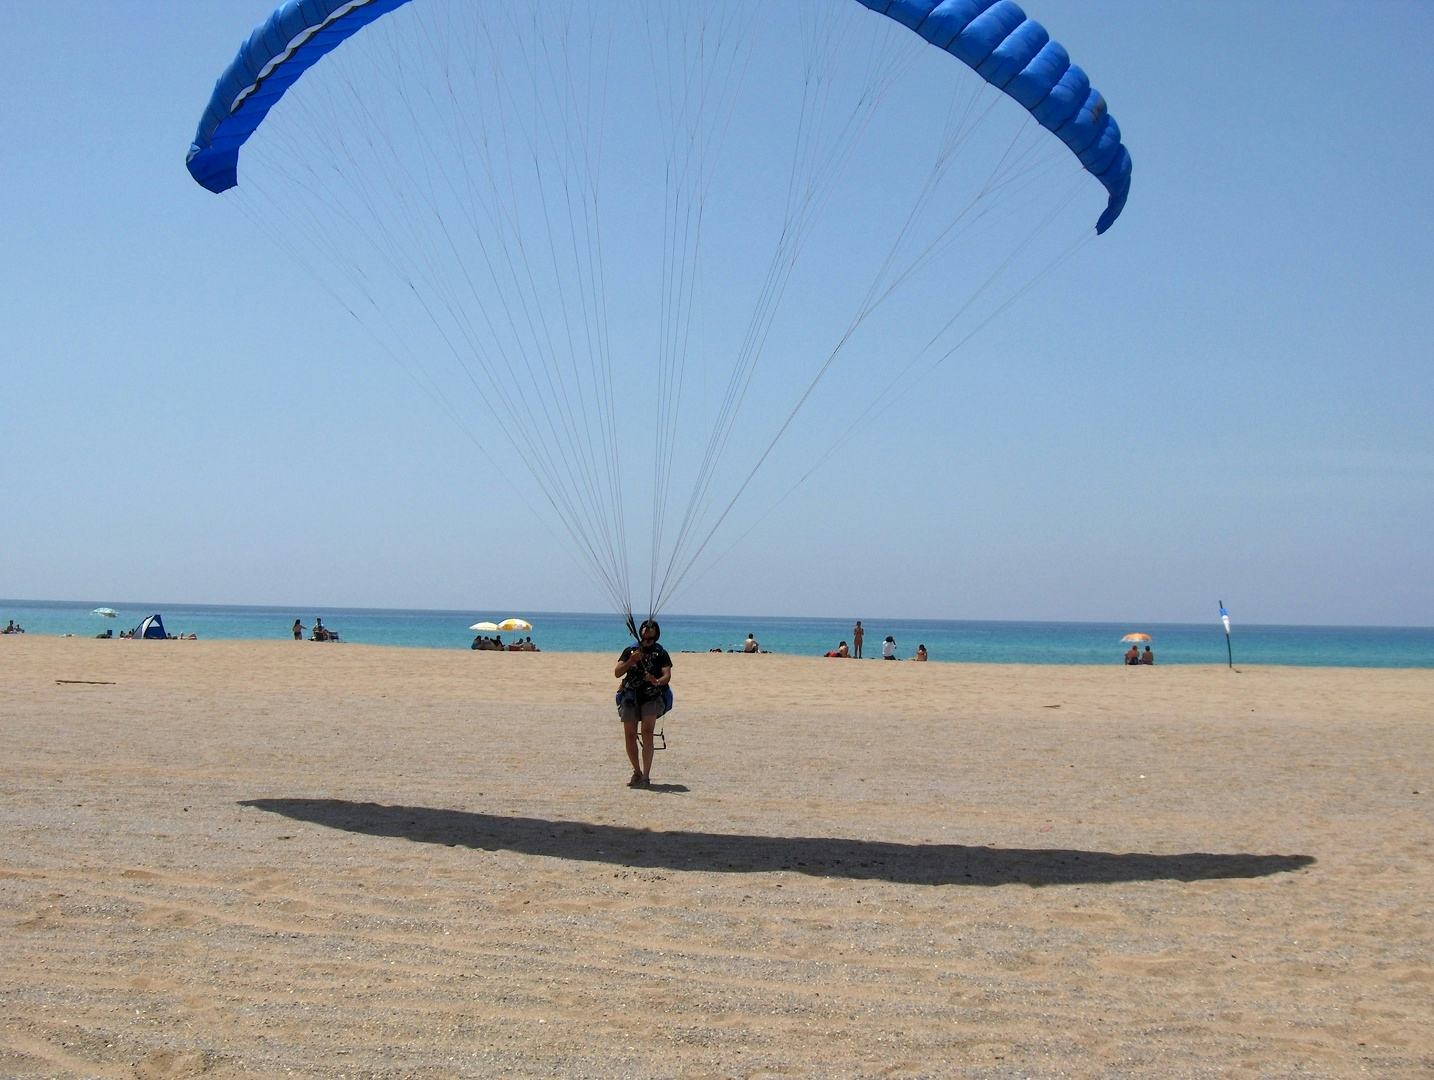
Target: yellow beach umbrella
<point>1136,637</point>
<point>515,624</point>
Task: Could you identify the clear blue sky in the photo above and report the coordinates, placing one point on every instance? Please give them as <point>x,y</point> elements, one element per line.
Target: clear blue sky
<point>1229,398</point>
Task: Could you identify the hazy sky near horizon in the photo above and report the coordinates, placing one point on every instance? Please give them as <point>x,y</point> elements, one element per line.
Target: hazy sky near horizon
<point>1228,396</point>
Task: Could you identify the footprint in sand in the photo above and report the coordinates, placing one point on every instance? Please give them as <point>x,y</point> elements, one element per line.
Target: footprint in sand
<point>170,1064</point>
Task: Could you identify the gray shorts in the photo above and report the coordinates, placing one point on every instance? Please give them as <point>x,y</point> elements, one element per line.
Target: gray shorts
<point>631,712</point>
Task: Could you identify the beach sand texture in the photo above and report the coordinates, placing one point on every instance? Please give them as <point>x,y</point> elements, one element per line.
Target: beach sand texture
<point>251,859</point>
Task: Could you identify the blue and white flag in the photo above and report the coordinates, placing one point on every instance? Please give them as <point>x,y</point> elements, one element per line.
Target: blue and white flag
<point>1225,618</point>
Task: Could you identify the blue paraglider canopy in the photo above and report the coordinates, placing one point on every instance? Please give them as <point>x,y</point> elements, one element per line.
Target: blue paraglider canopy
<point>995,38</point>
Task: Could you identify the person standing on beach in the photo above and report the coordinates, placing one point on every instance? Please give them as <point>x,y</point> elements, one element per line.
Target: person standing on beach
<point>646,671</point>
<point>298,630</point>
<point>857,633</point>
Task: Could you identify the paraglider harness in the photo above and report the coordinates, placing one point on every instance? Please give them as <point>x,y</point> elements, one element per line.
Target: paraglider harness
<point>626,696</point>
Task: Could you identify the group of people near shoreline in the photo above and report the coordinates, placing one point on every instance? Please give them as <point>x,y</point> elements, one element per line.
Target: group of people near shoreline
<point>751,645</point>
<point>134,634</point>
<point>13,628</point>
<point>1134,657</point>
<point>888,647</point>
<point>495,644</point>
<point>842,651</point>
<point>321,632</point>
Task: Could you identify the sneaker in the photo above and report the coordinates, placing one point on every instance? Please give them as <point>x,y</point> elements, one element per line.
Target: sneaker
<point>636,781</point>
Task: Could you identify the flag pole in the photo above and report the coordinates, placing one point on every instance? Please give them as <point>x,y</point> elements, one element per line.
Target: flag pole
<point>1225,618</point>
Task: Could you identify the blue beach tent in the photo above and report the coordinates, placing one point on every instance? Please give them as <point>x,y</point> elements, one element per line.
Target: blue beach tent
<point>152,627</point>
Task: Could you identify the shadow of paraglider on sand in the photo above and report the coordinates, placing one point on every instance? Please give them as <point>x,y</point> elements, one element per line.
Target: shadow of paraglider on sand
<point>818,856</point>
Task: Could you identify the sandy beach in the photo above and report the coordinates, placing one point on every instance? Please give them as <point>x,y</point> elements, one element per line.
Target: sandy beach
<point>294,859</point>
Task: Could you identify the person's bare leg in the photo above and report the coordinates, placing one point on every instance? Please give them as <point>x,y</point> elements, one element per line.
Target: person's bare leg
<point>629,738</point>
<point>648,723</point>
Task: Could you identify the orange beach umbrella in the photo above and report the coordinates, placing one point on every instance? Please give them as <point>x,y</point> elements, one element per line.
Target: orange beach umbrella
<point>1136,637</point>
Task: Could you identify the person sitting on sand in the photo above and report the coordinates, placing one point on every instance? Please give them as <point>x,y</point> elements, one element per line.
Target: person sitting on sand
<point>888,648</point>
<point>646,671</point>
<point>920,653</point>
<point>1147,657</point>
<point>750,645</point>
<point>842,650</point>
<point>1133,656</point>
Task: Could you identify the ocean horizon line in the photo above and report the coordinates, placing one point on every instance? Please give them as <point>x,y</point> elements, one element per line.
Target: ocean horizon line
<point>1010,641</point>
<point>299,610</point>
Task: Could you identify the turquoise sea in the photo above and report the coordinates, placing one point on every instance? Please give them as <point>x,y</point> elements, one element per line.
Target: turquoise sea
<point>946,640</point>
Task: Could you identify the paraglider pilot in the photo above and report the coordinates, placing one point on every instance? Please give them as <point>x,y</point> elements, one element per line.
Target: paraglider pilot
<point>645,670</point>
